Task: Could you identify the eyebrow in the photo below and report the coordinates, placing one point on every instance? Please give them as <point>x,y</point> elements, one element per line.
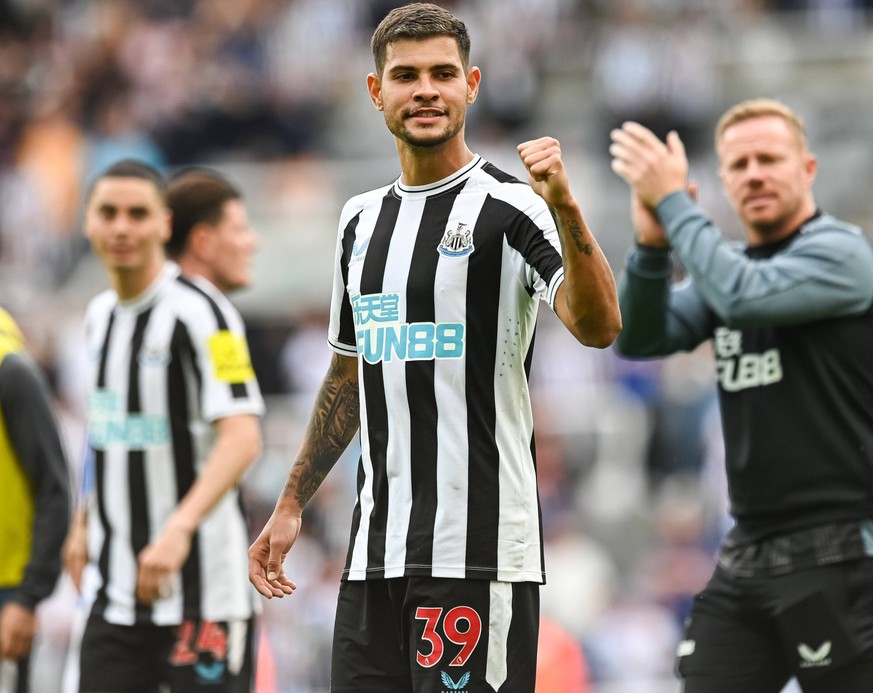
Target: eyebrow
<point>432,68</point>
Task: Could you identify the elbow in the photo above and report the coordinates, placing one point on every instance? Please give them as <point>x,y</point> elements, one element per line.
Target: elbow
<point>601,337</point>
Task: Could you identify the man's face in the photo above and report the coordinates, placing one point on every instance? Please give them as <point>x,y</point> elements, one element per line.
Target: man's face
<point>424,90</point>
<point>230,247</point>
<point>127,223</point>
<point>767,175</point>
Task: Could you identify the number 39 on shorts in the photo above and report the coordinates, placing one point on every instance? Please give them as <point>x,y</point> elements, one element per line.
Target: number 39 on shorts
<point>461,626</point>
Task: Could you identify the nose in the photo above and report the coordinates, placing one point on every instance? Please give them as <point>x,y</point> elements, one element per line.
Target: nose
<point>426,89</point>
<point>754,172</point>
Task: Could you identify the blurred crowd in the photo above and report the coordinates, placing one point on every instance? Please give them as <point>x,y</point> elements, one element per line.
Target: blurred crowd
<point>629,453</point>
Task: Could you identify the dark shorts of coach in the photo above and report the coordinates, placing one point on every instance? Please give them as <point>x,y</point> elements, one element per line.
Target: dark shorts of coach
<point>754,634</point>
<point>196,656</point>
<point>435,634</point>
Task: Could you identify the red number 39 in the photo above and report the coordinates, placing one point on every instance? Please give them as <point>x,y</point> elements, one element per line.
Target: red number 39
<point>461,626</point>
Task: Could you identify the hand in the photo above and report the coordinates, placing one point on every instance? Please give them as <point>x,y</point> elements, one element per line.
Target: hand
<point>267,555</point>
<point>75,550</point>
<point>545,170</point>
<point>654,169</point>
<point>17,628</point>
<point>160,562</point>
<point>649,230</point>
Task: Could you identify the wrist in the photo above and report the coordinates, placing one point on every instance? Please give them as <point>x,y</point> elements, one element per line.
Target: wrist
<point>181,524</point>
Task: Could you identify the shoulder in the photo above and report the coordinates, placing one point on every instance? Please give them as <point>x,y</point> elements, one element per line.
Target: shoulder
<point>825,223</point>
<point>197,301</point>
<point>21,378</point>
<point>834,237</point>
<point>358,203</point>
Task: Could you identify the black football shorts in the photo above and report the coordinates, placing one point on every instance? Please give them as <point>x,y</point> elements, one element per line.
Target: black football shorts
<point>194,657</point>
<point>432,635</point>
<point>754,634</point>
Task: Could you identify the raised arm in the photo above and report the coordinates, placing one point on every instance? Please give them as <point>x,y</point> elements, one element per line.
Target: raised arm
<point>586,301</point>
<point>333,423</point>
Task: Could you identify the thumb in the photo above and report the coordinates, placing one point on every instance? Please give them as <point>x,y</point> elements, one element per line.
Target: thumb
<point>275,562</point>
<point>674,144</point>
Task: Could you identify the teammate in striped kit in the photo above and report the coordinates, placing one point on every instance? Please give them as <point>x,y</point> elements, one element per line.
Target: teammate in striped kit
<point>173,426</point>
<point>438,277</point>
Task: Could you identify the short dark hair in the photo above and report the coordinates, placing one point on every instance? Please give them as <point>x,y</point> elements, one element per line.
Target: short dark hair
<point>196,196</point>
<point>418,20</point>
<point>132,168</point>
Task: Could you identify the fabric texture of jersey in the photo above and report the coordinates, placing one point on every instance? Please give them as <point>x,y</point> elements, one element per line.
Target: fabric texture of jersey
<point>791,325</point>
<point>436,292</point>
<point>166,366</point>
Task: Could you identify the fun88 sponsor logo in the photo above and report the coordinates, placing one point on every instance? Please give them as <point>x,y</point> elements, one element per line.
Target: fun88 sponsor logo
<point>382,337</point>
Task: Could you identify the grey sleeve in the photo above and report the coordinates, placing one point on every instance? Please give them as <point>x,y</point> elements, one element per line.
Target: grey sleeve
<point>657,318</point>
<point>33,432</point>
<point>826,272</point>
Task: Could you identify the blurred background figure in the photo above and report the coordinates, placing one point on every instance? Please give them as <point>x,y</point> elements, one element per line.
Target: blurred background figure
<point>35,512</point>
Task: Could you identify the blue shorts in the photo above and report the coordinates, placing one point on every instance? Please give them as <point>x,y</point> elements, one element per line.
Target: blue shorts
<point>194,657</point>
<point>431,635</point>
<point>754,634</point>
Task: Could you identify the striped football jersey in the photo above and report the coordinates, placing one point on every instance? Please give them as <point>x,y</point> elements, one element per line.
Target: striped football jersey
<point>436,292</point>
<point>166,366</point>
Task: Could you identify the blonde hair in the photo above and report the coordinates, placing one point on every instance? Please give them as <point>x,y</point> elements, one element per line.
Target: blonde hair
<point>757,108</point>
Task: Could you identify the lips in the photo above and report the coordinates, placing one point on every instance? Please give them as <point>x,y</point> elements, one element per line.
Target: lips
<point>425,113</point>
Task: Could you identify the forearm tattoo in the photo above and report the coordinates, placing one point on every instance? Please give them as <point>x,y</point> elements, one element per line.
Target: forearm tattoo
<point>577,233</point>
<point>335,420</point>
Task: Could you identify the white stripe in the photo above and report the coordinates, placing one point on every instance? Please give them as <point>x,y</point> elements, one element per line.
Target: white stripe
<point>499,620</point>
<point>398,467</point>
<point>518,531</point>
<point>453,450</point>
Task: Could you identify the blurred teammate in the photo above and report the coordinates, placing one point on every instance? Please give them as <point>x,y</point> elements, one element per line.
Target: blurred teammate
<point>791,322</point>
<point>173,425</point>
<point>438,278</point>
<point>35,506</point>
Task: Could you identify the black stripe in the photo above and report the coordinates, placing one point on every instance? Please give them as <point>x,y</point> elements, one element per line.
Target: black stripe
<point>420,380</point>
<point>524,236</point>
<point>238,390</point>
<point>498,175</point>
<point>182,367</point>
<point>140,527</point>
<point>484,337</point>
<point>347,328</point>
<point>372,276</point>
<point>99,457</point>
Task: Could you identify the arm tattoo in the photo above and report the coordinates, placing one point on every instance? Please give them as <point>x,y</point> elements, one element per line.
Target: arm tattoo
<point>577,233</point>
<point>335,420</point>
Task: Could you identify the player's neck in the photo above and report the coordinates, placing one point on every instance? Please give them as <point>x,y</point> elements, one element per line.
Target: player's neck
<point>425,165</point>
<point>129,284</point>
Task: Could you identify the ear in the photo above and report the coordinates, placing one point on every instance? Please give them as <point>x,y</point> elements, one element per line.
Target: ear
<point>811,167</point>
<point>200,241</point>
<point>374,87</point>
<point>168,227</point>
<point>474,77</point>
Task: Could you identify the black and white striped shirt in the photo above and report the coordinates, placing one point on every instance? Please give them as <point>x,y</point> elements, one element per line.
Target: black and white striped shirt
<point>436,292</point>
<point>166,366</point>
